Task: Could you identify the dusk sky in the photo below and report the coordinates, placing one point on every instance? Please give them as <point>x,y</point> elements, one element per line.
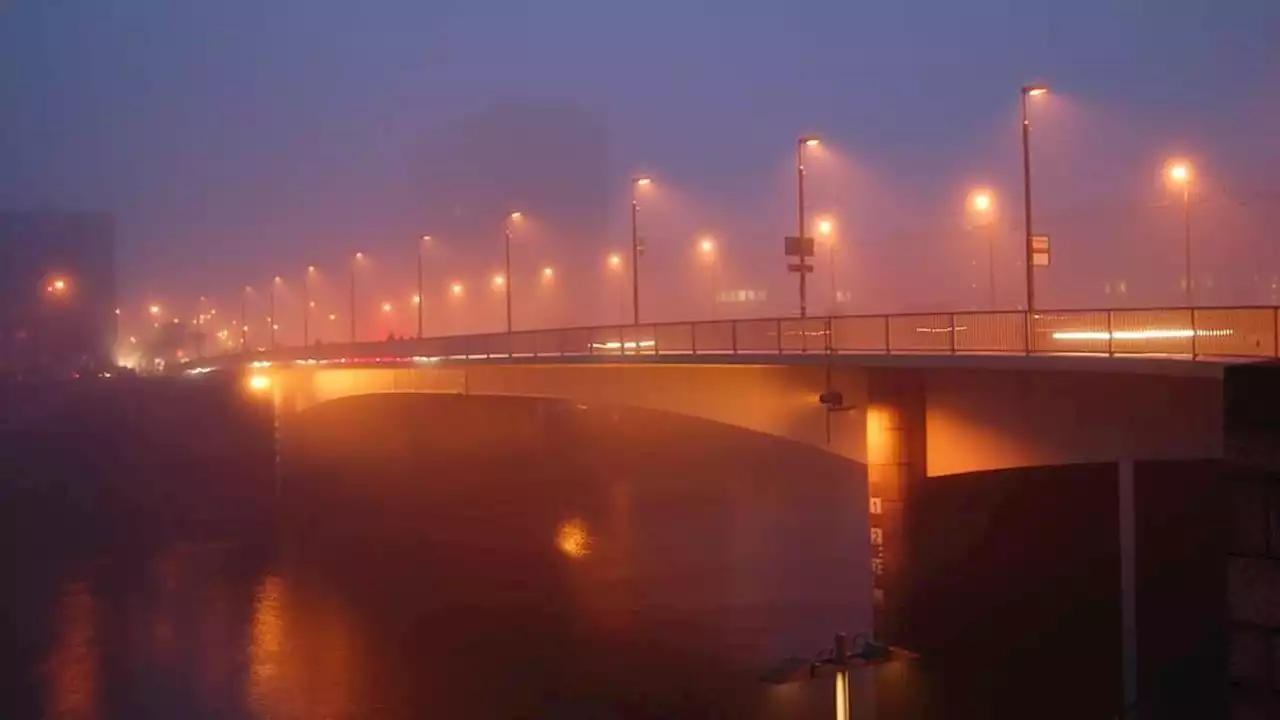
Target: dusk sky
<point>240,139</point>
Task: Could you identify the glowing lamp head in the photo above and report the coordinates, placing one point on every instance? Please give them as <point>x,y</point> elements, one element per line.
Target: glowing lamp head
<point>515,215</point>
<point>359,256</point>
<point>548,273</point>
<point>981,201</point>
<point>499,280</point>
<point>417,299</point>
<point>259,383</point>
<point>707,246</point>
<point>57,286</point>
<point>456,289</point>
<point>1035,90</point>
<point>825,226</point>
<point>1180,172</point>
<point>386,307</point>
<point>311,268</point>
<point>615,260</point>
<point>154,309</point>
<point>643,181</point>
<point>333,316</point>
<point>810,142</point>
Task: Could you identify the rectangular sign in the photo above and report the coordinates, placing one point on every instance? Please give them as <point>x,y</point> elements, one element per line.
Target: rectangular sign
<point>798,246</point>
<point>1040,251</point>
<point>798,267</point>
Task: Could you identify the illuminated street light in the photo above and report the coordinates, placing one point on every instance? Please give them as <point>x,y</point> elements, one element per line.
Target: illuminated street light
<point>982,205</point>
<point>417,299</point>
<point>58,286</point>
<point>707,250</point>
<point>1180,175</point>
<point>272,296</point>
<point>826,228</point>
<point>615,261</point>
<point>333,316</point>
<point>636,249</point>
<point>499,280</point>
<point>506,248</point>
<point>355,261</point>
<point>548,273</point>
<point>456,289</point>
<point>1028,91</point>
<point>307,304</point>
<point>154,310</point>
<point>801,144</point>
<point>386,307</point>
<point>707,246</point>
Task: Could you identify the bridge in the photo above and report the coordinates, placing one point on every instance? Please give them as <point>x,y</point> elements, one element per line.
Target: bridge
<point>1128,400</point>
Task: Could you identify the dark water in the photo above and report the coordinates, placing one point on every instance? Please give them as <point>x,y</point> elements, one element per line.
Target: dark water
<point>464,558</point>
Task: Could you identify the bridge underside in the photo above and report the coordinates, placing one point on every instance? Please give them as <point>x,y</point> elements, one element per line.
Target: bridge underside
<point>1014,464</point>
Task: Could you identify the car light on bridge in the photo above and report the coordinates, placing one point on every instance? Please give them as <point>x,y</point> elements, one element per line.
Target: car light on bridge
<point>259,383</point>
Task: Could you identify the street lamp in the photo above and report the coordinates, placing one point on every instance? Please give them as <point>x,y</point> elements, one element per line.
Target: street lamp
<point>425,239</point>
<point>506,246</point>
<point>307,305</point>
<point>548,274</point>
<point>456,289</point>
<point>707,251</point>
<point>1180,173</point>
<point>272,295</point>
<point>801,144</point>
<point>355,260</point>
<point>1028,91</point>
<point>635,248</point>
<point>982,205</point>
<point>826,228</point>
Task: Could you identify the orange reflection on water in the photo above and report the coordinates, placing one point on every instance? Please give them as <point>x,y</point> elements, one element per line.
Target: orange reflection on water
<point>573,539</point>
<point>71,669</point>
<point>302,659</point>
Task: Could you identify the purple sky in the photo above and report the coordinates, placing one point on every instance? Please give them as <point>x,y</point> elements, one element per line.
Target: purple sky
<point>240,139</point>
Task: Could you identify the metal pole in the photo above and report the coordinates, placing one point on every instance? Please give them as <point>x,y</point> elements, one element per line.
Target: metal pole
<point>635,257</point>
<point>1026,192</point>
<point>244,318</point>
<point>306,308</point>
<point>991,262</point>
<point>353,300</point>
<point>804,310</point>
<point>507,285</point>
<point>831,249</point>
<point>421,298</point>
<point>272,320</point>
<point>1186,212</point>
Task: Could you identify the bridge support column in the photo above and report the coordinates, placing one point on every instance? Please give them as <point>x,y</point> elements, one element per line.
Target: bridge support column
<point>895,419</point>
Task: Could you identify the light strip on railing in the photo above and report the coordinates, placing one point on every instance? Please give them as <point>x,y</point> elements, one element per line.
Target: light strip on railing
<point>941,330</point>
<point>1168,334</point>
<point>628,345</point>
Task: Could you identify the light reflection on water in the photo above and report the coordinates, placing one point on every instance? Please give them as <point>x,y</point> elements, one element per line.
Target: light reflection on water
<point>561,584</point>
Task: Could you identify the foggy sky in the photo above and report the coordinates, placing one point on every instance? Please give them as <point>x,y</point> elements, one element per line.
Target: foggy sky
<point>240,139</point>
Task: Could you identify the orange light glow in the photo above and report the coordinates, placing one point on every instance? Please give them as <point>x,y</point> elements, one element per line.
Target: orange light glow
<point>154,309</point>
<point>573,540</point>
<point>386,307</point>
<point>259,383</point>
<point>707,245</point>
<point>499,280</point>
<point>516,215</point>
<point>1035,90</point>
<point>333,316</point>
<point>643,181</point>
<point>456,289</point>
<point>615,260</point>
<point>825,226</point>
<point>417,299</point>
<point>811,142</point>
<point>1179,171</point>
<point>981,201</point>
<point>548,273</point>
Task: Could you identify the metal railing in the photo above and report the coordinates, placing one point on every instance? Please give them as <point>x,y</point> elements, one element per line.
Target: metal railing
<point>1217,333</point>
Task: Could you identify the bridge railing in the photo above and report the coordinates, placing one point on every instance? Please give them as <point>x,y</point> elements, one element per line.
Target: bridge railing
<point>1239,332</point>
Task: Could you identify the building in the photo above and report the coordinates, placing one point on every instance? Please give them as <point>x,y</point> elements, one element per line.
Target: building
<point>57,291</point>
